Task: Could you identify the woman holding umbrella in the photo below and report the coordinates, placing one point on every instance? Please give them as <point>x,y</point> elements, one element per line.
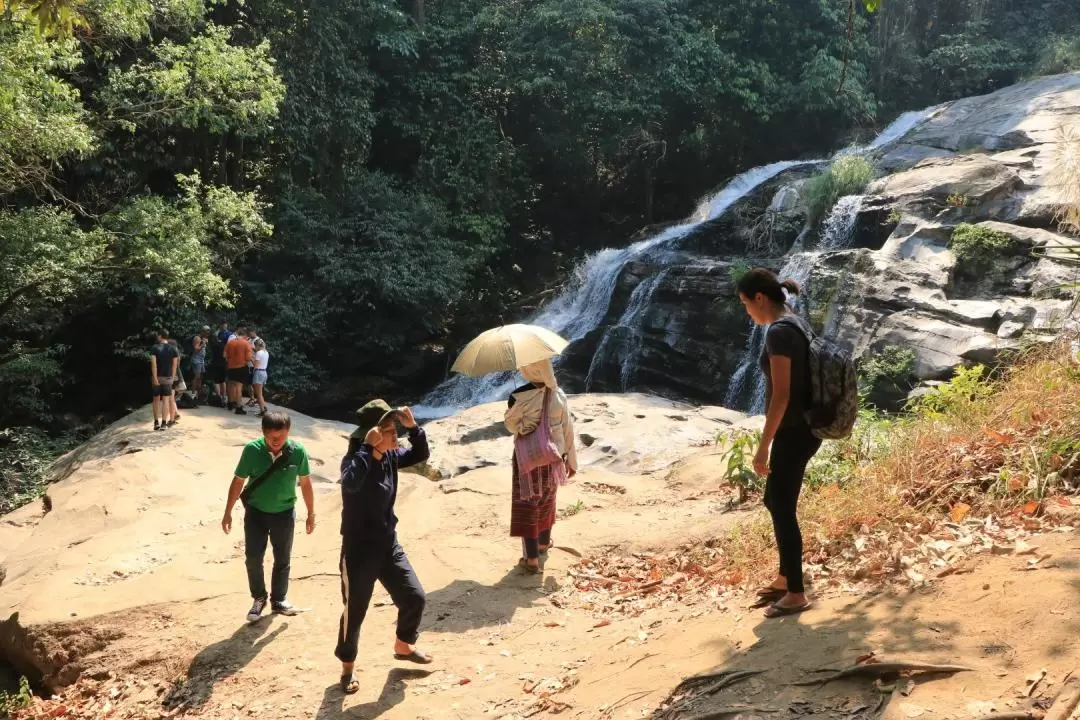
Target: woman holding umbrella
<point>538,415</point>
<point>538,407</point>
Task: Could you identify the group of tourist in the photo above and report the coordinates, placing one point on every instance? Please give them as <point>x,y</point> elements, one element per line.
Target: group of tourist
<point>544,458</point>
<point>236,363</point>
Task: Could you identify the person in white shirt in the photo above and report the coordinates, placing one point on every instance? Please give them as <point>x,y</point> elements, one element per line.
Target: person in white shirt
<point>259,362</point>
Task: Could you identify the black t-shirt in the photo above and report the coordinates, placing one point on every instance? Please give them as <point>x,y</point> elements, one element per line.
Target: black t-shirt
<point>783,339</point>
<point>164,352</point>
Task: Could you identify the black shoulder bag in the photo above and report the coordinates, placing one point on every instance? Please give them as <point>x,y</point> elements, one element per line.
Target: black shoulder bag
<point>281,461</point>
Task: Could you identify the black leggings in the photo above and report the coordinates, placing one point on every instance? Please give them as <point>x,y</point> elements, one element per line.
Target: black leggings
<point>531,546</point>
<point>792,449</point>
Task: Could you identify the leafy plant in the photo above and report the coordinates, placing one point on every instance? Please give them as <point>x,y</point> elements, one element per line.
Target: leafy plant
<point>957,201</point>
<point>1061,55</point>
<point>968,387</point>
<point>739,449</point>
<point>571,510</point>
<point>887,376</point>
<point>847,175</point>
<point>20,700</point>
<point>737,270</point>
<point>977,248</point>
<point>838,462</point>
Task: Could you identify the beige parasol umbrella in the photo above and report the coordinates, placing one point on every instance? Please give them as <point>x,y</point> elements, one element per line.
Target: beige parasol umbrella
<point>507,347</point>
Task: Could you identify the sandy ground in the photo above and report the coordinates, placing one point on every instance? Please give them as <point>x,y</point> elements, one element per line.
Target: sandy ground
<point>151,596</point>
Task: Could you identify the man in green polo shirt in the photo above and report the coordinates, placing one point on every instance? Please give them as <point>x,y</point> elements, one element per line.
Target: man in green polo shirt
<point>270,508</point>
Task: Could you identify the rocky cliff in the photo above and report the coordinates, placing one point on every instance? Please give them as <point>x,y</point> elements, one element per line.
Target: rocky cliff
<point>989,165</point>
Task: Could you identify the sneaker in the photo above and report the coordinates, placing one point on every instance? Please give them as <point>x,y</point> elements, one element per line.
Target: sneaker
<point>284,608</point>
<point>157,425</point>
<point>230,405</point>
<point>256,610</point>
<point>240,411</point>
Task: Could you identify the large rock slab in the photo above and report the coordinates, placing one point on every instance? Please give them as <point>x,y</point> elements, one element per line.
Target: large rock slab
<point>631,433</point>
<point>971,179</point>
<point>940,346</point>
<point>1014,117</point>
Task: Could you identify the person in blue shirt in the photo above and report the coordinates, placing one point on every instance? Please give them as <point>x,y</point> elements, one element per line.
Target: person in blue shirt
<point>370,549</point>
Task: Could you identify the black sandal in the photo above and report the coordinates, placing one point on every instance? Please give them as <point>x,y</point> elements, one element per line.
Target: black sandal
<point>532,569</point>
<point>349,684</point>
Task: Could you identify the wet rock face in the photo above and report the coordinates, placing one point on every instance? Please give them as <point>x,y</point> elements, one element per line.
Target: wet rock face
<point>677,328</point>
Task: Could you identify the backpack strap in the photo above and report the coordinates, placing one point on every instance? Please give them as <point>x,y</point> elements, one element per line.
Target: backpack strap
<point>799,323</point>
<point>281,461</point>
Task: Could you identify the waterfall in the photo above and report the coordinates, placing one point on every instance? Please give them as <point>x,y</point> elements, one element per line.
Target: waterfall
<point>585,299</point>
<point>628,332</point>
<point>747,385</point>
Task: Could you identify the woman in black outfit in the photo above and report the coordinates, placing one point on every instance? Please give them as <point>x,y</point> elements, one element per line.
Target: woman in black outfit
<point>783,362</point>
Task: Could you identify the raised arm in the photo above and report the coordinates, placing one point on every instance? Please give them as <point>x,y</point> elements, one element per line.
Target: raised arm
<point>355,467</point>
<point>418,450</point>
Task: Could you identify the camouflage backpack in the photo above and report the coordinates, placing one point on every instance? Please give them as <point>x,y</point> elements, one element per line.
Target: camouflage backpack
<point>834,389</point>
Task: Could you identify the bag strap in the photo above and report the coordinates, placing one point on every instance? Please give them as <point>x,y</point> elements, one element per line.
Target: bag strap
<point>800,324</point>
<point>280,462</point>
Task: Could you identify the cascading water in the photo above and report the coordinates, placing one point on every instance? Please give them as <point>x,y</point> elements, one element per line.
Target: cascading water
<point>627,333</point>
<point>584,302</point>
<point>747,385</point>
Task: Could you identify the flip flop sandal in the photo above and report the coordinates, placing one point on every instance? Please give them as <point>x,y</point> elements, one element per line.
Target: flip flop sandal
<point>349,684</point>
<point>776,610</point>
<point>532,569</point>
<point>762,599</point>
<point>417,656</point>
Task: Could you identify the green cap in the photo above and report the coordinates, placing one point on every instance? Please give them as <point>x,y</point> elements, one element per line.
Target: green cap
<point>376,412</point>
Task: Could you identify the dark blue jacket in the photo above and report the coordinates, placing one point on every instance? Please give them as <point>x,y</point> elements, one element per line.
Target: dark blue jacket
<point>369,489</point>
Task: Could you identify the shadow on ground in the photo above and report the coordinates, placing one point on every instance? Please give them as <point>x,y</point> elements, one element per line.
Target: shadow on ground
<point>991,623</point>
<point>465,605</point>
<point>215,663</point>
<point>392,694</point>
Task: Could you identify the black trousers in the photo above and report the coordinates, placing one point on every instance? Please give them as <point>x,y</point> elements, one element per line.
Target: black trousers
<point>361,566</point>
<point>278,529</point>
<point>792,449</point>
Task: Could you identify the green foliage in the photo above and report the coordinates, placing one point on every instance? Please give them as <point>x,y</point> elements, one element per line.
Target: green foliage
<point>739,449</point>
<point>847,175</point>
<point>204,84</point>
<point>738,270</point>
<point>888,376</point>
<point>18,701</point>
<point>977,249</point>
<point>967,388</point>
<point>1061,55</point>
<point>26,453</point>
<point>41,118</point>
<point>838,461</point>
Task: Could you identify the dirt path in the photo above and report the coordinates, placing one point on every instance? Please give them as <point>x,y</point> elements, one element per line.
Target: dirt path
<point>175,643</point>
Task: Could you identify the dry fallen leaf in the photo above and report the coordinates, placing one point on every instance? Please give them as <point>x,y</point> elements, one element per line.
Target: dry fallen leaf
<point>959,511</point>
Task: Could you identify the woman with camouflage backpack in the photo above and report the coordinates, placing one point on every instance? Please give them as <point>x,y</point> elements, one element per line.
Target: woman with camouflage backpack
<point>787,441</point>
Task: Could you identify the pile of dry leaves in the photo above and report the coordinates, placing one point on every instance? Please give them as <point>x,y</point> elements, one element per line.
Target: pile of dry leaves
<point>127,698</point>
<point>613,584</point>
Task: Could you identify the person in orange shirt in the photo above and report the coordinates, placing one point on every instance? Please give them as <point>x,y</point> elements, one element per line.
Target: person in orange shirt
<point>238,353</point>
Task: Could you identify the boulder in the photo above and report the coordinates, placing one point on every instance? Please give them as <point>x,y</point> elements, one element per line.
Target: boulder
<point>939,345</point>
<point>969,180</point>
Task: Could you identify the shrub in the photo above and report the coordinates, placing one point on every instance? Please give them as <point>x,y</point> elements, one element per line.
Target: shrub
<point>887,377</point>
<point>976,248</point>
<point>18,701</point>
<point>737,270</point>
<point>847,175</point>
<point>1061,55</point>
